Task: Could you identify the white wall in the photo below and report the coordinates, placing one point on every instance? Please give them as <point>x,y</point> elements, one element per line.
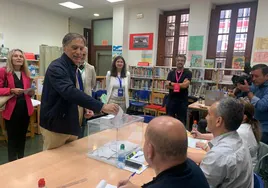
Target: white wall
<point>261,27</point>
<point>76,27</point>
<point>199,20</point>
<point>27,27</point>
<point>200,11</point>
<point>149,24</point>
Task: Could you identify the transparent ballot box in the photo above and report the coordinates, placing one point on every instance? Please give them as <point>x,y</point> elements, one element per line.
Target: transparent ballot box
<point>105,145</point>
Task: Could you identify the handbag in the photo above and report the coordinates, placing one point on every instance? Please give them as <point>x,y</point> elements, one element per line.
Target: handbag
<point>3,101</point>
<point>5,98</point>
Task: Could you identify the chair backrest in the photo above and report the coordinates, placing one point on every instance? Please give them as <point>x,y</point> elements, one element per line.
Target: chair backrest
<point>261,168</point>
<point>165,100</point>
<point>144,95</point>
<point>258,183</point>
<point>157,98</point>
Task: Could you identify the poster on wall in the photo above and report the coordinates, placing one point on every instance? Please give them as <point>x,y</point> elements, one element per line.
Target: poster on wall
<point>117,51</point>
<point>189,56</point>
<point>196,43</point>
<point>261,43</point>
<point>238,62</point>
<point>141,41</point>
<point>260,57</point>
<point>196,61</point>
<point>260,54</point>
<point>147,56</point>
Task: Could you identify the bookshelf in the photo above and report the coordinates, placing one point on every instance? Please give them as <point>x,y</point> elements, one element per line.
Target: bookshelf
<point>141,78</point>
<point>210,78</point>
<point>34,67</point>
<point>203,78</point>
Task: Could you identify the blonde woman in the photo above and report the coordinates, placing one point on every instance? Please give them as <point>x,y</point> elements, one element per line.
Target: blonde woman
<point>117,83</point>
<point>15,79</point>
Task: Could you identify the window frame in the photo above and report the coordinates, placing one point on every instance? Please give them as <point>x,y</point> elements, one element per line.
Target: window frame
<point>214,31</point>
<point>161,54</point>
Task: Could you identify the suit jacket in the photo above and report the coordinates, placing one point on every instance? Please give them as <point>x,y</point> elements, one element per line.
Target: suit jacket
<point>90,78</point>
<point>11,103</point>
<point>60,97</point>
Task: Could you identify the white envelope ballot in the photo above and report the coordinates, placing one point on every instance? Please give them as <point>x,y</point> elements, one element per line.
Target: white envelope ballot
<point>118,119</point>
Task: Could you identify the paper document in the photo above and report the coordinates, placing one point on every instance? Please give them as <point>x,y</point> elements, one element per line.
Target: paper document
<point>118,119</point>
<point>35,102</point>
<point>192,142</point>
<point>104,184</point>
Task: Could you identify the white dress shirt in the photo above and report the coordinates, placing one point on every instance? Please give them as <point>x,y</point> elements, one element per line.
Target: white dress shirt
<point>228,163</point>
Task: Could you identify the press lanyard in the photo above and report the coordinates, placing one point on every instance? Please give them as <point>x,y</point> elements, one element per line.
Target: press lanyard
<point>178,78</point>
<point>120,81</point>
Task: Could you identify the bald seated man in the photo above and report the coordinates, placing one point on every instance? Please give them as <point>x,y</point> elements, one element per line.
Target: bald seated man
<point>165,150</point>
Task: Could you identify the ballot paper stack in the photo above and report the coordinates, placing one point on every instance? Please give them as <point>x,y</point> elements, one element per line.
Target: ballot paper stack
<point>111,132</point>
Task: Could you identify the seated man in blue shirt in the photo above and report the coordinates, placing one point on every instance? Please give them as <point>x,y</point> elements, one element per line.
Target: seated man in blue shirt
<point>165,150</point>
<point>258,95</point>
<point>228,162</point>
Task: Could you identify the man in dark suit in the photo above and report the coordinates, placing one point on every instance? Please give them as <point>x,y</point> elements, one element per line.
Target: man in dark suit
<point>63,93</point>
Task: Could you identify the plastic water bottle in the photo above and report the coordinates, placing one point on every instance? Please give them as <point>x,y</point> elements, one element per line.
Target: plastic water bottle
<point>195,126</point>
<point>121,157</point>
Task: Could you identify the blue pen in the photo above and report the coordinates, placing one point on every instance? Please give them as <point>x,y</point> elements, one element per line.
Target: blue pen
<point>131,175</point>
<point>139,156</point>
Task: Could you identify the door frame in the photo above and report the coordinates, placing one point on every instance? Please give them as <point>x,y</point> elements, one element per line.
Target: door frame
<point>95,48</point>
<point>96,55</point>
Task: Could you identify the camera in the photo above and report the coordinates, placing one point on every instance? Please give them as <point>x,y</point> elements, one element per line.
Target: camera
<point>240,79</point>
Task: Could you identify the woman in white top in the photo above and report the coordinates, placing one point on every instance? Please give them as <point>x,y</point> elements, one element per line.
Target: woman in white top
<point>117,83</point>
<point>249,131</point>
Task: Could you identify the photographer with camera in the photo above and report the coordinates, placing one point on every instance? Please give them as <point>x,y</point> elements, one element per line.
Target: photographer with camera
<point>257,93</point>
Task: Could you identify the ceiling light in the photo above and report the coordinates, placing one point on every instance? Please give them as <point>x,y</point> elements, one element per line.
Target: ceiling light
<point>70,5</point>
<point>114,1</point>
<point>96,14</point>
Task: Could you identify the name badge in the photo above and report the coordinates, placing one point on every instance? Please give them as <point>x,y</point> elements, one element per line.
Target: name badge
<point>176,87</point>
<point>120,92</point>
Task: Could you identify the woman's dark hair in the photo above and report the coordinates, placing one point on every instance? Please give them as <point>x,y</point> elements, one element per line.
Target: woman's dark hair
<point>255,124</point>
<point>114,70</point>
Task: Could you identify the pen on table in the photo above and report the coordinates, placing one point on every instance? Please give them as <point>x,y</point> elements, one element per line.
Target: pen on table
<point>139,156</point>
<point>131,175</point>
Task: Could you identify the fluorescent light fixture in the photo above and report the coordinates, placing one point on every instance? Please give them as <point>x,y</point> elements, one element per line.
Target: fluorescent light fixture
<point>70,5</point>
<point>96,14</point>
<point>114,1</point>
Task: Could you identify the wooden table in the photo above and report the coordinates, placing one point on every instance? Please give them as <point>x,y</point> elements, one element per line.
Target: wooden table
<point>68,165</point>
<point>196,106</point>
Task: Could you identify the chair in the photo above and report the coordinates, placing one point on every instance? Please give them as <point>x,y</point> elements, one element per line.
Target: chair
<point>162,111</point>
<point>147,118</point>
<point>258,182</point>
<point>157,98</point>
<point>261,168</point>
<point>99,93</point>
<point>141,99</point>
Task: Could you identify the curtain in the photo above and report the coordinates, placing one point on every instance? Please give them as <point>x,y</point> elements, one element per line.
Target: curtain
<point>47,55</point>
